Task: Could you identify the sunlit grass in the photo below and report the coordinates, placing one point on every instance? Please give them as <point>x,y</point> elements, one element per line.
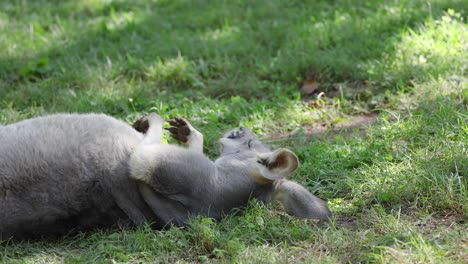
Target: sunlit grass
<point>438,48</point>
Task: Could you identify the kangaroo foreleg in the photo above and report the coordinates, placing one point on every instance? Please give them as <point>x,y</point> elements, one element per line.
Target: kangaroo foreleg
<point>183,131</point>
<point>168,212</point>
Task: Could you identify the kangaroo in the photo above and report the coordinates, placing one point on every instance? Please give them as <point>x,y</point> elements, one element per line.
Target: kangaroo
<point>72,172</point>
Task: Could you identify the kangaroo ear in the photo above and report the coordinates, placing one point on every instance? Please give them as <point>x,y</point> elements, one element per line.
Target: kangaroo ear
<point>278,164</point>
<point>297,201</point>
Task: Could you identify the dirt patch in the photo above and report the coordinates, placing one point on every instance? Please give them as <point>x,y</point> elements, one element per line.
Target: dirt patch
<point>348,126</point>
<point>346,222</point>
<point>440,220</point>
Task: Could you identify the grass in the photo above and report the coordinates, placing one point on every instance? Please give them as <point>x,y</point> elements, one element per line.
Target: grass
<point>398,189</point>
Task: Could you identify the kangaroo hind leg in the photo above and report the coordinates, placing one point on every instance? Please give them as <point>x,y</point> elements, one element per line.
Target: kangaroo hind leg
<point>151,125</point>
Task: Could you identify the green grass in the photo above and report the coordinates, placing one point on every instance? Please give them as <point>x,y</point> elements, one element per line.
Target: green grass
<point>398,188</point>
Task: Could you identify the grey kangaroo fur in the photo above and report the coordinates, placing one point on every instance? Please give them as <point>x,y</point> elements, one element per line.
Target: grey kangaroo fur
<point>71,172</point>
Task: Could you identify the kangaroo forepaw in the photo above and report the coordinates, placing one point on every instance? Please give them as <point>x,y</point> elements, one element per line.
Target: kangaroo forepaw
<point>180,129</point>
<point>142,125</point>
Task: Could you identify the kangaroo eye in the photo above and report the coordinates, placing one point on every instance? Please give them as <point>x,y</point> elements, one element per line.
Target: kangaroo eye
<point>248,143</point>
<point>236,134</point>
<point>232,135</point>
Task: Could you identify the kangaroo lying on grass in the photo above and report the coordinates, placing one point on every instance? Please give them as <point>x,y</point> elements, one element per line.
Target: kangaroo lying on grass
<point>67,172</point>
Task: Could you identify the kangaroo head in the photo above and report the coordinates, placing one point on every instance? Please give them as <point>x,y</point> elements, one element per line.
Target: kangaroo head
<point>271,168</point>
<point>264,164</point>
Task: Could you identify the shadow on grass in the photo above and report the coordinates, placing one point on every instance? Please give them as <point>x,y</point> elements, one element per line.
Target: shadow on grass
<point>215,48</point>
